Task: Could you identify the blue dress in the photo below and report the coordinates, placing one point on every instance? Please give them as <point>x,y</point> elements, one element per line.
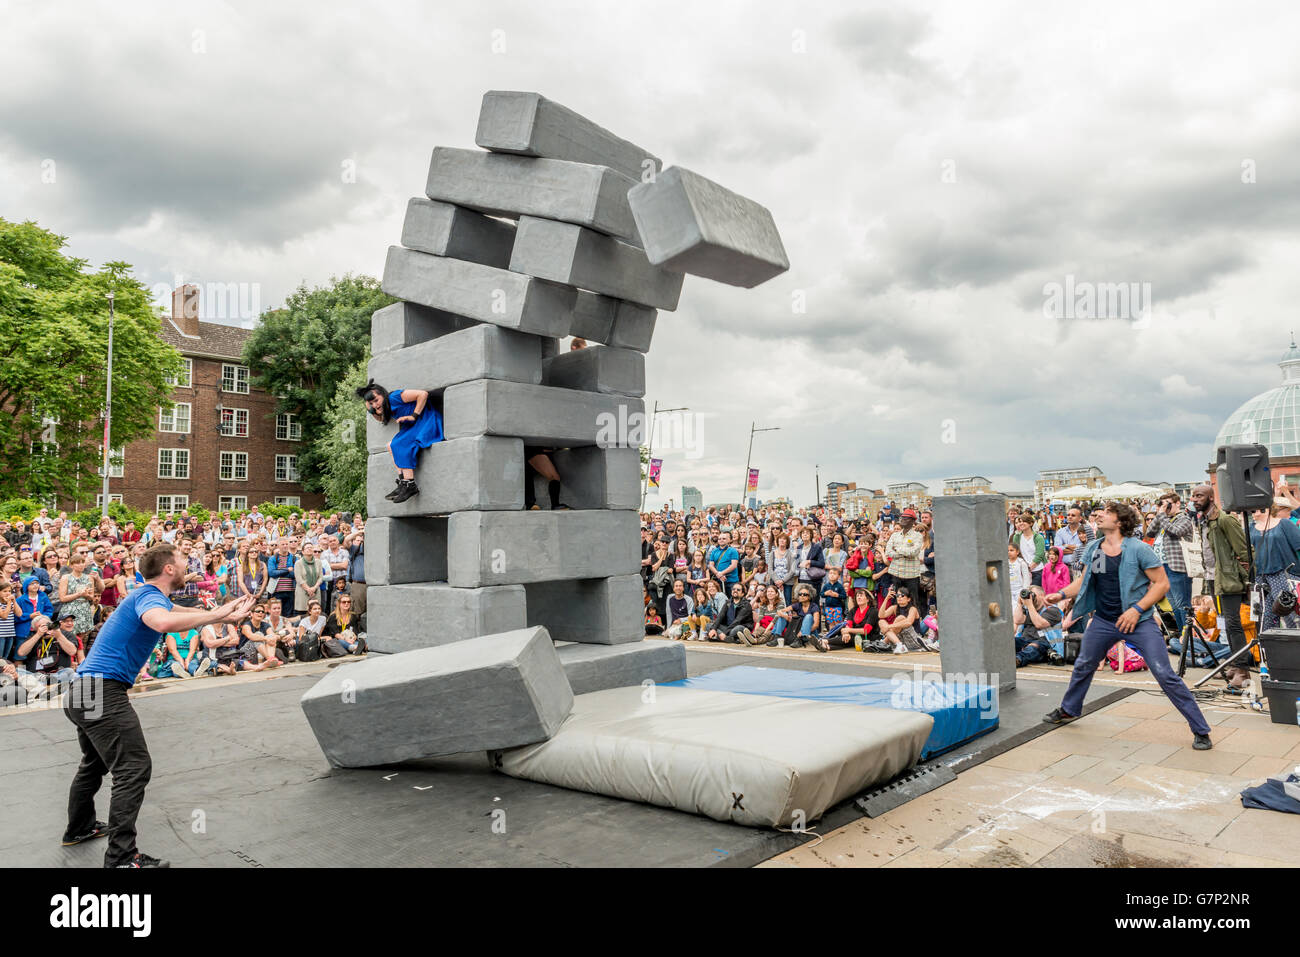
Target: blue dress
<point>413,436</point>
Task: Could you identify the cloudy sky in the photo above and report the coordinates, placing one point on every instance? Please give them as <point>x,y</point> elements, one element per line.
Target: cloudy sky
<point>934,170</point>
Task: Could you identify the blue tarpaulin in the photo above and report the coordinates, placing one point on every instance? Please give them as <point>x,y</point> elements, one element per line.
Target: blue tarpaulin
<point>961,711</point>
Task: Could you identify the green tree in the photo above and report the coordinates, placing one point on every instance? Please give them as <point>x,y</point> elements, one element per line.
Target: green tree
<point>54,359</point>
<point>343,444</point>
<point>301,353</point>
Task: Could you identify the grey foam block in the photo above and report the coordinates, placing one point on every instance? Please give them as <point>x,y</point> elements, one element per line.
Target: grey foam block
<point>563,252</point>
<point>633,327</point>
<point>599,611</point>
<point>481,472</point>
<point>598,667</point>
<point>480,352</point>
<point>597,369</point>
<point>491,295</point>
<point>427,614</point>
<point>970,531</point>
<point>593,477</point>
<point>541,415</point>
<point>691,224</point>
<point>531,125</point>
<point>405,324</point>
<point>593,316</point>
<point>446,230</point>
<point>401,550</point>
<point>502,185</point>
<point>551,346</point>
<point>497,691</point>
<point>512,548</point>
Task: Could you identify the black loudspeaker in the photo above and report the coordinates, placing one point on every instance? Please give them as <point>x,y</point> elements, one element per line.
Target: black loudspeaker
<point>1243,477</point>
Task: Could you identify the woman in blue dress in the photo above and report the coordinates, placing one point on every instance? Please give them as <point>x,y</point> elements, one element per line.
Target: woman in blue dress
<point>419,425</point>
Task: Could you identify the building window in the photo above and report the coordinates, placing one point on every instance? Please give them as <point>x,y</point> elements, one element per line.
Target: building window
<point>234,378</point>
<point>293,500</point>
<point>234,467</point>
<point>174,463</point>
<point>232,503</point>
<point>234,423</point>
<point>171,503</point>
<point>185,379</point>
<point>286,468</point>
<point>287,429</point>
<point>116,458</point>
<point>177,419</point>
<point>112,497</point>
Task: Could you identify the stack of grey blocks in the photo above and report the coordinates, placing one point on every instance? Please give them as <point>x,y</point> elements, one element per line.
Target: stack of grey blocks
<point>555,228</point>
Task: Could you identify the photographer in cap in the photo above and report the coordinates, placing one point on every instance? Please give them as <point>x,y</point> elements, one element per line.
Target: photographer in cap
<point>1038,624</point>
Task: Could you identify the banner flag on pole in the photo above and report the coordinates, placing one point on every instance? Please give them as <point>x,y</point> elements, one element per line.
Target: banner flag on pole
<point>655,465</point>
<point>753,481</point>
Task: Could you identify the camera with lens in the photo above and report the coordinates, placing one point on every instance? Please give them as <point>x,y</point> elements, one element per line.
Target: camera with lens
<point>1025,594</point>
<point>1284,604</point>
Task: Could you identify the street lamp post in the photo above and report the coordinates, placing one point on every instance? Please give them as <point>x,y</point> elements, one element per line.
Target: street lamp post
<point>108,409</point>
<point>649,448</point>
<point>817,479</point>
<point>749,455</point>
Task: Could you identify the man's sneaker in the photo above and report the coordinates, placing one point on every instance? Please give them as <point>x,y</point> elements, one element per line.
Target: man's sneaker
<point>900,648</point>
<point>397,490</point>
<point>1201,742</point>
<point>144,860</point>
<point>98,829</point>
<point>203,667</point>
<point>747,636</point>
<point>408,490</point>
<point>1057,716</point>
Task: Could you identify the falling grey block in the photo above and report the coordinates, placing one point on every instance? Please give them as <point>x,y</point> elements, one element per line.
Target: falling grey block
<point>600,611</point>
<point>598,667</point>
<point>445,230</point>
<point>427,614</point>
<point>514,548</point>
<point>563,252</point>
<point>531,125</point>
<point>402,550</point>
<point>481,472</point>
<point>498,691</point>
<point>633,327</point>
<point>597,369</point>
<point>970,532</point>
<point>691,224</point>
<point>542,415</point>
<point>496,296</point>
<point>408,324</point>
<point>480,352</point>
<point>592,477</point>
<point>502,185</point>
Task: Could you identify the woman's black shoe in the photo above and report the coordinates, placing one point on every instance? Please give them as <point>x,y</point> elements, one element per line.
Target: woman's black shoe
<point>395,492</point>
<point>406,489</point>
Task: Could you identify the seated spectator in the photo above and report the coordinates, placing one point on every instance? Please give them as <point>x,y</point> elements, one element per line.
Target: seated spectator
<point>654,625</point>
<point>184,656</point>
<point>282,630</point>
<point>681,608</point>
<point>1038,625</point>
<point>257,648</point>
<point>342,634</point>
<point>861,625</point>
<point>735,621</point>
<point>45,661</point>
<point>765,610</point>
<point>833,599</point>
<point>898,620</point>
<point>805,613</point>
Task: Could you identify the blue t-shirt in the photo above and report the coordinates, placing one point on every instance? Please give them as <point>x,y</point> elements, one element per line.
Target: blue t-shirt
<point>721,558</point>
<point>124,642</point>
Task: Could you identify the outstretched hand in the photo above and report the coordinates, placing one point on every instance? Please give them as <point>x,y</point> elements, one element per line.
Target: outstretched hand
<point>238,609</point>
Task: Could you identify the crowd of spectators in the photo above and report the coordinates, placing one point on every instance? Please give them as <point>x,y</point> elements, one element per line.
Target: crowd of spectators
<point>60,581</point>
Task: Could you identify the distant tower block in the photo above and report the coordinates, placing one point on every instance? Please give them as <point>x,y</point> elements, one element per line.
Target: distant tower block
<point>970,540</point>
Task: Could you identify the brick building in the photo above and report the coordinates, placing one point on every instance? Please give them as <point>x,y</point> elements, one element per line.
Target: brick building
<point>222,444</point>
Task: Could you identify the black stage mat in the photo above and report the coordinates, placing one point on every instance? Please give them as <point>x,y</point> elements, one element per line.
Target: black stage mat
<point>238,781</point>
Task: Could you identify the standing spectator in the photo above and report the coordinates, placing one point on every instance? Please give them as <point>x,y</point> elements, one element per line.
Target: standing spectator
<point>903,550</point>
<point>1071,538</point>
<point>355,543</point>
<point>812,560</point>
<point>9,614</point>
<point>724,562</point>
<point>781,566</point>
<point>1276,542</point>
<point>1056,573</point>
<point>1017,570</point>
<point>1223,541</point>
<point>31,602</point>
<point>279,571</point>
<point>1032,545</point>
<point>77,596</point>
<point>310,578</point>
<point>187,595</point>
<point>335,561</point>
<point>1171,527</point>
<point>251,573</point>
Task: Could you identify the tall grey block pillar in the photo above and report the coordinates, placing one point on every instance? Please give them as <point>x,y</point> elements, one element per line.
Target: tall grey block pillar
<point>970,547</point>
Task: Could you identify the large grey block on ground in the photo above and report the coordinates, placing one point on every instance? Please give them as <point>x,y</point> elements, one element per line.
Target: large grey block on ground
<point>509,548</point>
<point>538,414</point>
<point>496,296</point>
<point>405,324</point>
<point>596,369</point>
<point>480,352</point>
<point>597,611</point>
<point>691,224</point>
<point>592,477</point>
<point>446,230</point>
<point>427,614</point>
<point>502,185</point>
<point>970,532</point>
<point>563,252</point>
<point>401,550</point>
<point>481,472</point>
<point>531,125</point>
<point>498,691</point>
<point>598,667</point>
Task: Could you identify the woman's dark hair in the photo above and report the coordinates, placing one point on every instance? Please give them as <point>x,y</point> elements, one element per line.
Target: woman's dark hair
<point>1127,515</point>
<point>374,388</point>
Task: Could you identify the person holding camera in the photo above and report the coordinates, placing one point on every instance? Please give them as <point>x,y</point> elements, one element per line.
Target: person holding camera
<point>1223,550</point>
<point>1038,624</point>
<point>1276,542</point>
<point>1121,583</point>
<point>1171,528</point>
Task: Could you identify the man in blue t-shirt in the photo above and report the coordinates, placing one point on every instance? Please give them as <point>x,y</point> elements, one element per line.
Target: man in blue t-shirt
<point>107,727</point>
<point>724,562</point>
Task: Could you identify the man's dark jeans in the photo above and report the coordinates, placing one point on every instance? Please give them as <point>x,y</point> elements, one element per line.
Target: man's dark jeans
<point>111,741</point>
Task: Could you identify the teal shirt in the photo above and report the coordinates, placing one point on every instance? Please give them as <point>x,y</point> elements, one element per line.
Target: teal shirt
<point>1134,558</point>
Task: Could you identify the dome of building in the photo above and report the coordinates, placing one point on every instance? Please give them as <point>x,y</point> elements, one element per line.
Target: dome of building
<point>1272,418</point>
